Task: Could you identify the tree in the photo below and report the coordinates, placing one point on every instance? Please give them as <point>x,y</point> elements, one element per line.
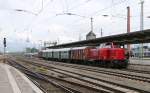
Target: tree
<point>31,50</point>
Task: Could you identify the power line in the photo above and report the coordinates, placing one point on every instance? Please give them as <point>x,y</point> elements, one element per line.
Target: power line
<point>115,4</point>
<point>42,6</point>
<point>67,5</point>
<point>98,10</point>
<point>87,1</point>
<point>31,24</point>
<point>63,7</point>
<point>112,5</point>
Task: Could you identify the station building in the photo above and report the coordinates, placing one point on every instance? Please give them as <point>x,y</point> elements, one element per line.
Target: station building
<point>90,35</point>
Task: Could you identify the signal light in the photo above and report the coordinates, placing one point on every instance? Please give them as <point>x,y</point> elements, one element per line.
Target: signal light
<point>4,42</point>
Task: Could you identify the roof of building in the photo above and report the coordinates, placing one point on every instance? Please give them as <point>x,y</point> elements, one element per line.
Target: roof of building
<point>125,38</point>
<point>91,33</point>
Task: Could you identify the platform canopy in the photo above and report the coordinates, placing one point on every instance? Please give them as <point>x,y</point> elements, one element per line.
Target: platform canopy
<point>135,37</point>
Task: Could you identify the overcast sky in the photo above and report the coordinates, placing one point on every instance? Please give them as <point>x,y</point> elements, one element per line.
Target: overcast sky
<point>18,26</point>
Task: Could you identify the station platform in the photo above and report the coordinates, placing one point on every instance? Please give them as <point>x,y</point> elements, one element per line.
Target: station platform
<point>144,61</point>
<point>13,81</point>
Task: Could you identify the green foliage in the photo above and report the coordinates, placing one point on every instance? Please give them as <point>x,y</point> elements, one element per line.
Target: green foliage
<point>31,50</point>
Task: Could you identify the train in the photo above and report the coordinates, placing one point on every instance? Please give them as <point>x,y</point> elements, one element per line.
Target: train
<point>106,55</point>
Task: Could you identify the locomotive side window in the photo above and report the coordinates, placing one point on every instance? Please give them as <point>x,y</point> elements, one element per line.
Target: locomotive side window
<point>108,46</point>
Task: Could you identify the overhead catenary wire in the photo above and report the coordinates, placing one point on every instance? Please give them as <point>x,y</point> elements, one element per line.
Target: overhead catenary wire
<point>63,7</point>
<point>110,7</point>
<point>117,16</point>
<point>67,5</point>
<point>83,3</point>
<point>104,9</point>
<point>42,6</point>
<point>118,3</point>
<point>31,24</point>
<point>114,4</point>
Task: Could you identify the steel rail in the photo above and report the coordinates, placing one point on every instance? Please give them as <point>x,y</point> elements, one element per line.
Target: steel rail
<point>128,87</point>
<point>119,74</point>
<point>80,85</point>
<point>40,76</point>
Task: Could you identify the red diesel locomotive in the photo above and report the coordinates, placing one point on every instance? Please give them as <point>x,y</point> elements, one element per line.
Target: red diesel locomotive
<point>108,55</point>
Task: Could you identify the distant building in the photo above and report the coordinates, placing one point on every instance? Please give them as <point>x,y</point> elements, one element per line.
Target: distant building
<point>90,35</point>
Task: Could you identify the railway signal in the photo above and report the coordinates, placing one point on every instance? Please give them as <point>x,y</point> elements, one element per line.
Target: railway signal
<point>4,42</point>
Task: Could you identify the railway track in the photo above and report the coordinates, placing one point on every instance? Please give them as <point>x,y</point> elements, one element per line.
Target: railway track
<point>132,67</point>
<point>97,90</point>
<point>41,77</point>
<point>122,76</point>
<point>114,73</point>
<point>109,86</point>
<point>139,68</point>
<point>123,73</point>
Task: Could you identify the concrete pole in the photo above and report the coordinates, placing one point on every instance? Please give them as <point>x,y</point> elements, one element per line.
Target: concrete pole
<point>101,32</point>
<point>128,27</point>
<point>141,25</point>
<point>141,17</point>
<point>91,24</point>
<point>128,19</point>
